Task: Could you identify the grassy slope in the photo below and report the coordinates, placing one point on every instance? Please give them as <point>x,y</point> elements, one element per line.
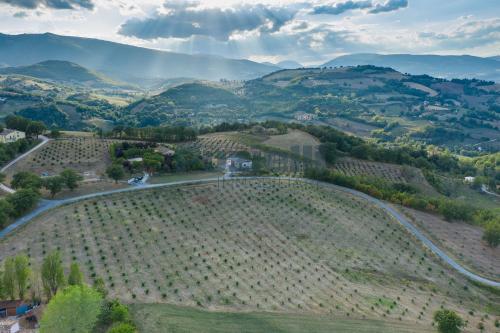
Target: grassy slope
<point>254,246</point>
<point>165,318</point>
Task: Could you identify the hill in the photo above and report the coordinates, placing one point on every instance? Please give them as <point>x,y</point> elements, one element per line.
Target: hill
<point>64,72</point>
<point>187,104</point>
<point>123,62</point>
<point>261,246</point>
<point>289,64</point>
<point>463,66</point>
<point>367,101</point>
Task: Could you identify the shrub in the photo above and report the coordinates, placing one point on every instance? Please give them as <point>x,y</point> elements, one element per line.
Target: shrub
<point>448,321</point>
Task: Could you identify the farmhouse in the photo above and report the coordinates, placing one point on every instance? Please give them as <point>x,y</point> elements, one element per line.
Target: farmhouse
<point>165,151</point>
<point>469,180</point>
<point>302,116</point>
<point>9,326</point>
<point>9,135</point>
<point>238,163</point>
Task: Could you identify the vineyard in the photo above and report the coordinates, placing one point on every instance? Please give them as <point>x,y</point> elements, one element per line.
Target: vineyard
<point>267,245</point>
<point>83,154</point>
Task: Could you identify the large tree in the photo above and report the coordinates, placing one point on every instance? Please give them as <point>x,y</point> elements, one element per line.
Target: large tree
<point>54,184</point>
<point>115,172</point>
<point>26,179</point>
<point>23,200</point>
<point>71,178</point>
<point>9,278</point>
<point>74,309</point>
<point>75,277</point>
<point>22,270</point>
<point>6,211</point>
<point>448,321</point>
<point>52,273</point>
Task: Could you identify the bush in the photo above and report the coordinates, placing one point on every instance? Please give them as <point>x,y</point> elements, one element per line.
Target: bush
<point>448,321</point>
<point>492,233</point>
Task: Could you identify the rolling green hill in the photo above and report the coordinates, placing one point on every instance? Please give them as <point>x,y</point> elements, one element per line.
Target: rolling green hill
<point>64,72</point>
<point>449,66</point>
<point>368,101</point>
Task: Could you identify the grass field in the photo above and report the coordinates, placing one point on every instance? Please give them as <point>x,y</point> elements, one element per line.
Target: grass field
<point>255,246</point>
<point>298,142</point>
<point>164,318</point>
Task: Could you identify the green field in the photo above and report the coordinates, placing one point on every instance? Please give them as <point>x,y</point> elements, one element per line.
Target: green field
<point>156,318</point>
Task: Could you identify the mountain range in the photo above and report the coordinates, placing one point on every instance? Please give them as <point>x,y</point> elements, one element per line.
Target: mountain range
<point>448,66</point>
<point>123,62</point>
<point>64,72</point>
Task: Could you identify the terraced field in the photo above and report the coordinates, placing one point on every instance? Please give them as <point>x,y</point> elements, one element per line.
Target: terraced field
<point>264,246</point>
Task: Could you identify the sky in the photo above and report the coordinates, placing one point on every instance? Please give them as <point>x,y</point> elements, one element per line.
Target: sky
<point>309,32</point>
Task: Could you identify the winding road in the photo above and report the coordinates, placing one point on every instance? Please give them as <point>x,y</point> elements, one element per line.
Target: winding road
<point>7,189</point>
<point>46,205</point>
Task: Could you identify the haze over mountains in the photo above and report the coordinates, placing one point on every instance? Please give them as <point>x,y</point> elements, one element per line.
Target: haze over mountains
<point>64,72</point>
<point>450,66</point>
<point>123,62</point>
<point>139,65</point>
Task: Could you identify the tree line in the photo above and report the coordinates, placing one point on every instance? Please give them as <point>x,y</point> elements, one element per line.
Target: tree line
<point>27,195</point>
<point>63,293</point>
<point>29,127</point>
<point>156,134</point>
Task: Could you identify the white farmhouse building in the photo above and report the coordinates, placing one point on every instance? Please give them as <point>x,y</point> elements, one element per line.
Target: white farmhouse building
<point>9,135</point>
<point>238,163</point>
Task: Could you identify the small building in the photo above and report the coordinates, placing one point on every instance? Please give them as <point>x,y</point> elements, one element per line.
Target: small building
<point>9,326</point>
<point>10,135</point>
<point>135,159</point>
<point>302,116</point>
<point>238,163</point>
<point>469,179</point>
<point>12,308</point>
<point>165,151</point>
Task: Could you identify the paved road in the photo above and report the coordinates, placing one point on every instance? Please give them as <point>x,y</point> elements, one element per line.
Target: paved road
<point>20,157</point>
<point>484,188</point>
<point>49,204</point>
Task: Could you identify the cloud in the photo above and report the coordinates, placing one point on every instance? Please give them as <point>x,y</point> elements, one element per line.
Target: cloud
<point>311,44</point>
<point>184,21</point>
<point>21,14</point>
<point>389,6</point>
<point>466,34</point>
<point>341,7</point>
<point>54,4</point>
